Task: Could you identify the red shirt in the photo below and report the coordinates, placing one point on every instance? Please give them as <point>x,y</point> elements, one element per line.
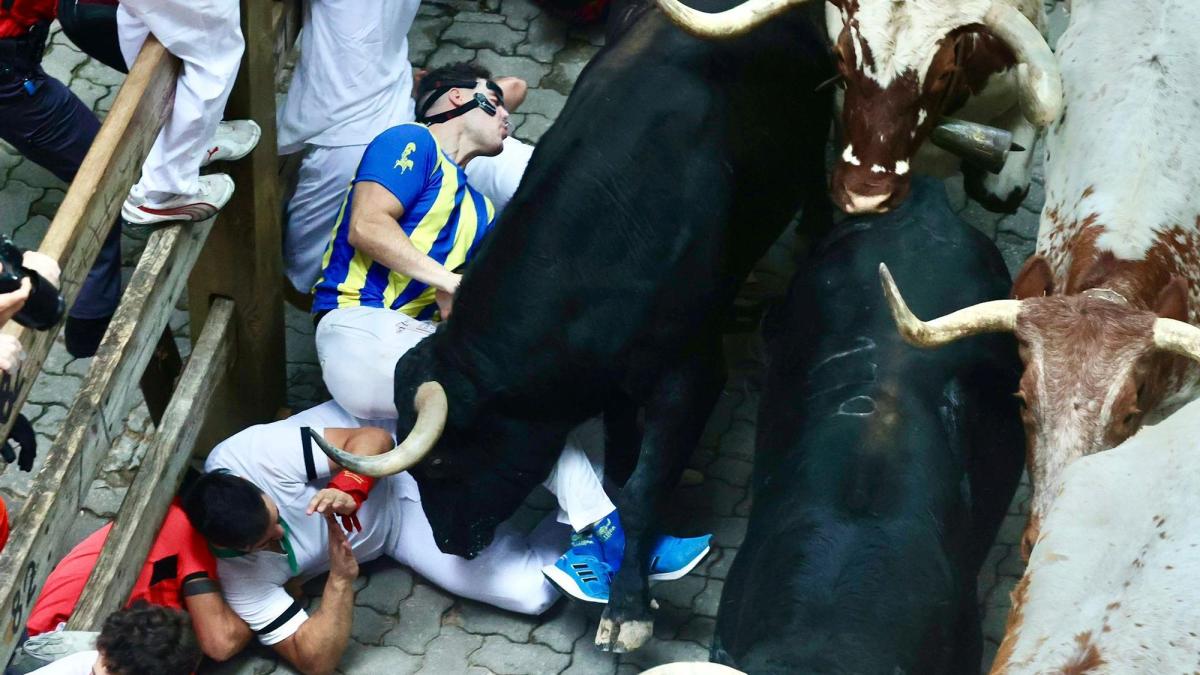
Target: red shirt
<point>3,524</point>
<point>16,21</point>
<point>178,553</point>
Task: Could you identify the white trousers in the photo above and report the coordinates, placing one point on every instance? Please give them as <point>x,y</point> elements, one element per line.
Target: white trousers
<point>358,348</point>
<point>325,174</point>
<point>207,36</point>
<point>507,574</point>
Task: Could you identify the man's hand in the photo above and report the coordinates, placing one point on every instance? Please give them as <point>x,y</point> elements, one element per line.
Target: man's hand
<point>332,500</point>
<point>43,264</point>
<point>445,297</point>
<point>342,565</point>
<point>11,354</point>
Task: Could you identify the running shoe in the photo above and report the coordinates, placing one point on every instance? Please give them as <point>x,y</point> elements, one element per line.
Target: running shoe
<point>580,572</point>
<point>234,140</point>
<point>215,191</point>
<point>673,557</point>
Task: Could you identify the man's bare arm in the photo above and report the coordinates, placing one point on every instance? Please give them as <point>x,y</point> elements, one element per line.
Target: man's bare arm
<point>317,647</point>
<point>220,631</point>
<point>373,231</point>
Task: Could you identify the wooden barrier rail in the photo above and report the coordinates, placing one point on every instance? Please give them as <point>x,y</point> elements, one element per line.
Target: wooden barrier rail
<point>235,301</point>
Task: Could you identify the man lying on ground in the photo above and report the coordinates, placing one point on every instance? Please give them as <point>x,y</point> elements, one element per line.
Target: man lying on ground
<point>140,640</point>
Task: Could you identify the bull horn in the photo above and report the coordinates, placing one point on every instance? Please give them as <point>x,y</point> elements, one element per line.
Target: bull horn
<point>1041,83</point>
<point>432,408</point>
<point>1177,337</point>
<point>981,145</point>
<point>730,23</point>
<point>692,668</point>
<point>994,316</point>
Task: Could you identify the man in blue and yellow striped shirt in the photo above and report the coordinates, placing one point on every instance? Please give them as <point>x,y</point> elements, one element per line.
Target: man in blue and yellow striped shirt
<point>408,220</point>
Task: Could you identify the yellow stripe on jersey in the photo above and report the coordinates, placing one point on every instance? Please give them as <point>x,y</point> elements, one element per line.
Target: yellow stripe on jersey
<point>425,234</point>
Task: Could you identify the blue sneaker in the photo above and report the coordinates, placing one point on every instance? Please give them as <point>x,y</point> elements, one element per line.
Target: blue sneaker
<point>673,557</point>
<point>580,572</point>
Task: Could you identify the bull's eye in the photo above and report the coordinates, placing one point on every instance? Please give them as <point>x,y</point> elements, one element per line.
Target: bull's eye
<point>1021,402</point>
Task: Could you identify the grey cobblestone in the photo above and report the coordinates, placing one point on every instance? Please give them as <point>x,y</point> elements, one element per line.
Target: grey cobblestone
<point>387,588</point>
<point>495,36</point>
<point>450,651</point>
<point>503,657</point>
<point>479,619</point>
<point>371,660</point>
<point>420,619</point>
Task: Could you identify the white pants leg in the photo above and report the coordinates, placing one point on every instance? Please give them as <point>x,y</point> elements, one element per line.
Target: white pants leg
<point>321,184</point>
<point>576,479</point>
<point>507,574</point>
<point>207,36</point>
<point>358,348</point>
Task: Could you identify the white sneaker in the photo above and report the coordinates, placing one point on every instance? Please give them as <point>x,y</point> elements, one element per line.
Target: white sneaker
<point>234,140</point>
<point>215,191</point>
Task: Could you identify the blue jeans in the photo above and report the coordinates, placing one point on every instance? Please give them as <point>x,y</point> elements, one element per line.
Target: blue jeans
<point>54,129</point>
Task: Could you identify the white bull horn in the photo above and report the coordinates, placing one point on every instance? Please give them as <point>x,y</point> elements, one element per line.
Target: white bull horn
<point>432,408</point>
<point>1177,337</point>
<point>692,668</point>
<point>730,23</point>
<point>1041,83</point>
<point>994,316</point>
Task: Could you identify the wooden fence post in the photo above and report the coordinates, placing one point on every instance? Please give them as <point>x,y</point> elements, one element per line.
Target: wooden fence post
<point>242,260</point>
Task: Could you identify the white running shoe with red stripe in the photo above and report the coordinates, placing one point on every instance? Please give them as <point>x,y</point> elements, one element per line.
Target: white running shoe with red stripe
<point>234,140</point>
<point>214,194</point>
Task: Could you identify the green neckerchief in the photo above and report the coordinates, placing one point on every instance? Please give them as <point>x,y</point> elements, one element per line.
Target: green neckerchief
<point>285,543</point>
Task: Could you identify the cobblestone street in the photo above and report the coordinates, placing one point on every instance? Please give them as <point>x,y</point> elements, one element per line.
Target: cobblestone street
<point>401,623</point>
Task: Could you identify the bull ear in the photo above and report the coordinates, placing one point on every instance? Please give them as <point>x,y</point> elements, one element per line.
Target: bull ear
<point>1034,280</point>
<point>1173,300</point>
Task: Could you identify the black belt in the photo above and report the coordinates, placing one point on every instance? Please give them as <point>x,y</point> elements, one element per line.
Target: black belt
<point>320,315</point>
<point>22,56</point>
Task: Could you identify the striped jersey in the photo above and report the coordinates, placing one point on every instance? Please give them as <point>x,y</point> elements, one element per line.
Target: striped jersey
<point>444,218</point>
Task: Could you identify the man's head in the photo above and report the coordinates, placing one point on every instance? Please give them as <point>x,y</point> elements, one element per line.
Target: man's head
<point>231,512</point>
<point>147,639</point>
<point>463,96</point>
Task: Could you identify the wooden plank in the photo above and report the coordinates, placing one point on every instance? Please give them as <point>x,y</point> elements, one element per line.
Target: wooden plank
<point>95,419</point>
<point>158,478</point>
<point>242,259</point>
<point>93,202</point>
<point>159,379</point>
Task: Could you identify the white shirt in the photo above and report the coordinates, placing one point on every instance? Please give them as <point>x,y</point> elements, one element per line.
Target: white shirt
<point>353,79</point>
<point>498,177</point>
<point>75,664</point>
<point>274,458</point>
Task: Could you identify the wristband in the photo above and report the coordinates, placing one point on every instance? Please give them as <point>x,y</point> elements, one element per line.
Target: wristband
<point>358,487</point>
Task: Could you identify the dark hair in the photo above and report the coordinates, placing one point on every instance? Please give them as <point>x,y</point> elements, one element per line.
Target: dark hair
<point>148,640</point>
<point>227,510</point>
<point>463,71</point>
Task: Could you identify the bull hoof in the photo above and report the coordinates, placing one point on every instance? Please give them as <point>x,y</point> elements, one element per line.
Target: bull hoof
<point>623,636</point>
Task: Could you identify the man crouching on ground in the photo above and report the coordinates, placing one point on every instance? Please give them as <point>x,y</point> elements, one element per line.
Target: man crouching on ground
<point>268,506</point>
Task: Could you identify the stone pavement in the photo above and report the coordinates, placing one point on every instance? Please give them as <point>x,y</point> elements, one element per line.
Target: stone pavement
<point>403,624</point>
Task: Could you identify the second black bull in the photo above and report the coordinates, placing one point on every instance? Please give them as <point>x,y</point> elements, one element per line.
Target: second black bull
<point>673,165</point>
<point>882,471</point>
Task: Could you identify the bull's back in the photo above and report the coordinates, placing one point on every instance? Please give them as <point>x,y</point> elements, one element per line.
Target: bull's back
<point>1121,157</point>
<point>1111,582</point>
<point>860,545</point>
<point>663,180</point>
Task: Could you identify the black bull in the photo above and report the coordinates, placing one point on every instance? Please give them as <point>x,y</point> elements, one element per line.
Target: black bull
<point>674,164</point>
<point>882,471</point>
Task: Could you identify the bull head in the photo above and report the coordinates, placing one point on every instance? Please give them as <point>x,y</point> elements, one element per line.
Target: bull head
<point>432,409</point>
<point>1093,364</point>
<point>901,62</point>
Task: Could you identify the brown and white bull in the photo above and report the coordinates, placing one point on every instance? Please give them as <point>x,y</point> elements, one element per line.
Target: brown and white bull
<point>1101,306</point>
<point>1111,587</point>
<point>906,63</point>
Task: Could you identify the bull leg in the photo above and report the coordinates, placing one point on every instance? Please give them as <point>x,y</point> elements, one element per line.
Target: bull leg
<point>1004,192</point>
<point>675,416</point>
<point>621,439</point>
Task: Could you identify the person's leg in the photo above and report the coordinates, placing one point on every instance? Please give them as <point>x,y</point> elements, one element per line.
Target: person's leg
<point>324,175</point>
<point>575,481</point>
<point>357,348</point>
<point>506,574</point>
<point>55,129</point>
<point>92,26</point>
<point>206,35</point>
